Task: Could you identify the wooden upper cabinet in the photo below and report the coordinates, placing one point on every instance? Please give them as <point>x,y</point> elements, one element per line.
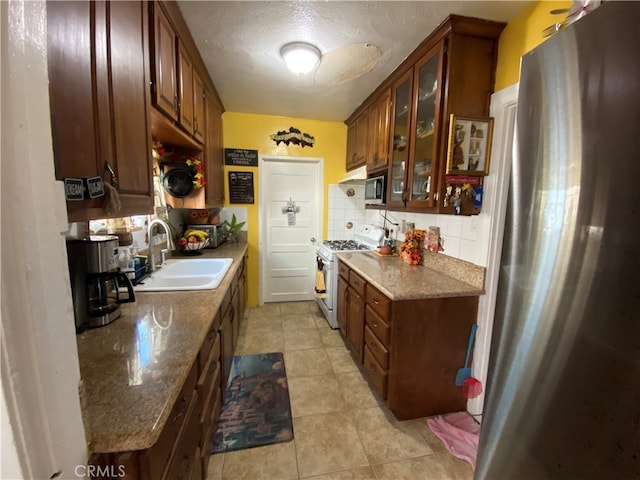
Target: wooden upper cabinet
<point>351,146</point>
<point>362,128</point>
<point>199,121</point>
<point>357,141</point>
<point>426,124</point>
<point>71,99</point>
<point>165,91</point>
<point>396,179</point>
<point>213,168</point>
<point>378,133</point>
<point>185,89</point>
<point>451,72</point>
<point>98,78</point>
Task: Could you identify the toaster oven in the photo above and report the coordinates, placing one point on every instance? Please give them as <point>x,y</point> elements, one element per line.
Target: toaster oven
<point>216,234</point>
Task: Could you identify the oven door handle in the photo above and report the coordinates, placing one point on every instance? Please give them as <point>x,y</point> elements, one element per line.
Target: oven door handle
<point>322,262</point>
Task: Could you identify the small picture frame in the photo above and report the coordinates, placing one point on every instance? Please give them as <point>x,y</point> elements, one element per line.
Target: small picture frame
<point>469,148</point>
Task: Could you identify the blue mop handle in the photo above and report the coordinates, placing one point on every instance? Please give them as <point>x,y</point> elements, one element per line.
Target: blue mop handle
<point>471,338</point>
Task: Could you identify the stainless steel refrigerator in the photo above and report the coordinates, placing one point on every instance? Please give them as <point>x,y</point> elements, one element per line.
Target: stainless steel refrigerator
<point>563,393</point>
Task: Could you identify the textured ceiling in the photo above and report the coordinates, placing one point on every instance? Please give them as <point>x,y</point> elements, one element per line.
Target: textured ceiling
<point>240,42</point>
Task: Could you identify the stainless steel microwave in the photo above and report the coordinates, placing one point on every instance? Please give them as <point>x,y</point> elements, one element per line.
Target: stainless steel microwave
<point>374,191</point>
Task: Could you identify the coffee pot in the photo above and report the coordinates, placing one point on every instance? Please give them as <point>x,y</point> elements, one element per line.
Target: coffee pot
<point>96,281</point>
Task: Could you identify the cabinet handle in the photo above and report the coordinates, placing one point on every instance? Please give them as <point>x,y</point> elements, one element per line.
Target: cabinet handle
<point>182,411</point>
<point>176,104</point>
<point>114,177</point>
<point>195,124</point>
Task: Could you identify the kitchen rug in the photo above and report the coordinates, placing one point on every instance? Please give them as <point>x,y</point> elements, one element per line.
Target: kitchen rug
<point>256,409</point>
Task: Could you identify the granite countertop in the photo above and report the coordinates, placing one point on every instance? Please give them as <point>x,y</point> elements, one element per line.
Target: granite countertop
<point>134,368</point>
<point>440,276</point>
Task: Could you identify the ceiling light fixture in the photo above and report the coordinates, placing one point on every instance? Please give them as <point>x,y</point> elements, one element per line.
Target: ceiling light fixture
<point>300,57</point>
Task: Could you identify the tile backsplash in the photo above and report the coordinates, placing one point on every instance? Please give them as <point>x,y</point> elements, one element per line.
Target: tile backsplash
<point>466,238</point>
<point>463,237</point>
<point>346,210</point>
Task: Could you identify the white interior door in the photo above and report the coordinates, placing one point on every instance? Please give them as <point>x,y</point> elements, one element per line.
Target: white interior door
<point>288,240</point>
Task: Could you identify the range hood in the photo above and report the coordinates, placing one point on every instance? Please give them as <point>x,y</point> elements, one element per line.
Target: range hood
<point>357,176</point>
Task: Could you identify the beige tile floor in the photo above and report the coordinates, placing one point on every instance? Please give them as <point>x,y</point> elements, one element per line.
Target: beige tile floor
<point>342,430</point>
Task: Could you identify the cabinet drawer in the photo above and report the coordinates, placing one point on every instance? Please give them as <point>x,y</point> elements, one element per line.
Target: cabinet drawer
<point>343,270</point>
<point>357,283</point>
<point>196,470</point>
<point>379,327</point>
<point>210,339</point>
<point>375,372</point>
<point>211,422</point>
<point>379,303</point>
<point>186,450</point>
<point>206,372</point>
<point>159,453</point>
<point>209,390</point>
<point>377,349</point>
<point>226,301</point>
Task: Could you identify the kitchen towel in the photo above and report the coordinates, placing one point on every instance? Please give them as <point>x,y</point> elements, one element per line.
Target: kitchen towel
<point>460,434</point>
<point>321,289</point>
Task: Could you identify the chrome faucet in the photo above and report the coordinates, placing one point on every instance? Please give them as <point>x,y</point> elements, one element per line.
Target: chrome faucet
<point>152,257</point>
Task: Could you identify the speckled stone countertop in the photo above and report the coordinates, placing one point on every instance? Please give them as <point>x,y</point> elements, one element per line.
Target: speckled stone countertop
<point>134,368</point>
<point>440,276</point>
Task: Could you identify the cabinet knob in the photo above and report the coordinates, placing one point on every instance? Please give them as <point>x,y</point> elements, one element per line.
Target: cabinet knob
<point>375,324</point>
<point>375,300</point>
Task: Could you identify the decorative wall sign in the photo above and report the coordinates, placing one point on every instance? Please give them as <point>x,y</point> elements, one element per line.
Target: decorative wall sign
<point>95,187</point>
<point>240,157</point>
<point>74,189</point>
<point>293,136</point>
<point>241,187</point>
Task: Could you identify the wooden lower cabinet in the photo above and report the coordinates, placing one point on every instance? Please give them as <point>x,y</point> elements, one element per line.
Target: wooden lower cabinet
<point>183,448</point>
<point>410,349</point>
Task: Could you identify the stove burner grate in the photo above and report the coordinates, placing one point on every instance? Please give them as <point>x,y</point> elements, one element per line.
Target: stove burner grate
<point>345,245</point>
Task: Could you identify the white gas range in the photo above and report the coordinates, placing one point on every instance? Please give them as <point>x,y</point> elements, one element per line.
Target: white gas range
<point>367,237</point>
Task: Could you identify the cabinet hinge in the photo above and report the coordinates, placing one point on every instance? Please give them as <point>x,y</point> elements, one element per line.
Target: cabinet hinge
<point>153,87</point>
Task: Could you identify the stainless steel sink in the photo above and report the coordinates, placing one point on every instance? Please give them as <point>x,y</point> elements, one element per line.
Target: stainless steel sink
<point>187,274</point>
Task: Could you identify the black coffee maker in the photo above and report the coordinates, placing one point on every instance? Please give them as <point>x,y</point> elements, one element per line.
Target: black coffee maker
<point>96,281</point>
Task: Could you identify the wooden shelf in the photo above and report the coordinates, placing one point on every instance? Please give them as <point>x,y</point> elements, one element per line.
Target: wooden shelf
<point>424,135</point>
<point>163,130</point>
<point>427,96</point>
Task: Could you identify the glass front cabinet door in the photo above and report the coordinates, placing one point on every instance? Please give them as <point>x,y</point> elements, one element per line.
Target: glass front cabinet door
<point>425,130</point>
<point>401,109</point>
<point>416,97</point>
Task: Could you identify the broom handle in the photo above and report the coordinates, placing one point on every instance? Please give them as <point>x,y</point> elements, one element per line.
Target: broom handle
<point>471,338</point>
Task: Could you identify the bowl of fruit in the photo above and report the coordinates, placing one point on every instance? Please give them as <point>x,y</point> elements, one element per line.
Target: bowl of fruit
<point>193,241</point>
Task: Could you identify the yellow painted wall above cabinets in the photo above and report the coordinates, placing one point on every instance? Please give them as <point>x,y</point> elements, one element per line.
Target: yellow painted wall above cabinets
<point>249,131</point>
<point>522,34</point>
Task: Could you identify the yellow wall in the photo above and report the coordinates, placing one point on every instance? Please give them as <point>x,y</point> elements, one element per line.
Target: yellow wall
<point>522,34</point>
<point>241,130</point>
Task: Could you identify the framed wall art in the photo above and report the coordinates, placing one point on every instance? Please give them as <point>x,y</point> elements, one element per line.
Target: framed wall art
<point>469,147</point>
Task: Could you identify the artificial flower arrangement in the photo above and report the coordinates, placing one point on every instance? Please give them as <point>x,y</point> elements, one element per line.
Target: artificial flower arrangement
<point>198,177</point>
<point>160,153</point>
<point>411,251</point>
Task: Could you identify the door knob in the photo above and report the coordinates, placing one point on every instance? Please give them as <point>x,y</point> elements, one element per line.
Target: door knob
<point>313,239</point>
